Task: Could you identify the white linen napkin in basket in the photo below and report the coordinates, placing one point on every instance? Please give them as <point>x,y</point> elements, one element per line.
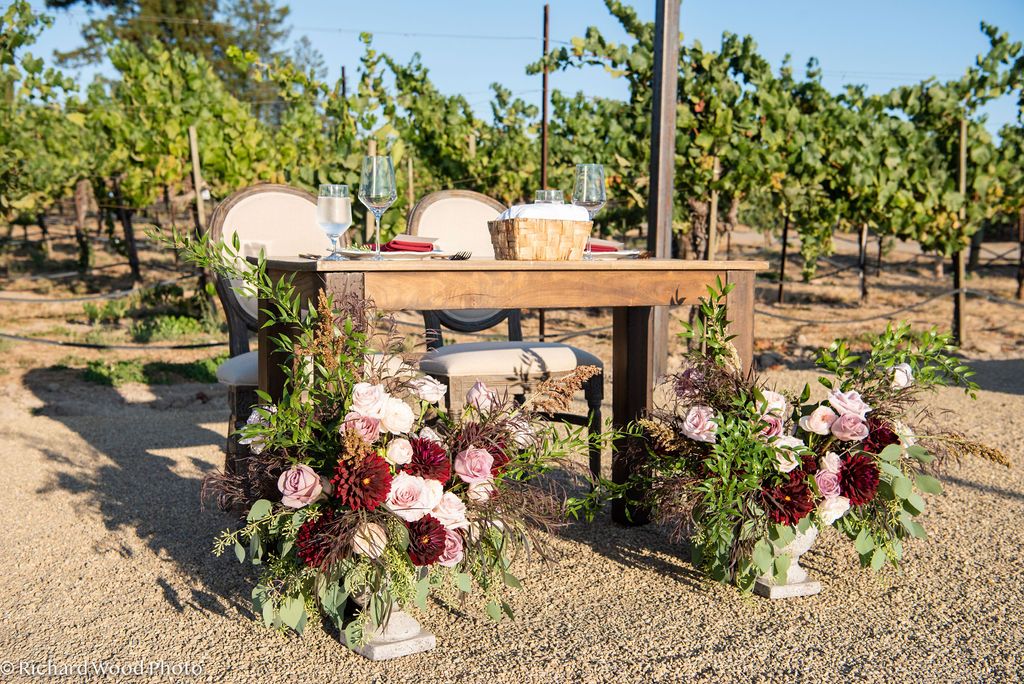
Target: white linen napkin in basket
<point>565,212</point>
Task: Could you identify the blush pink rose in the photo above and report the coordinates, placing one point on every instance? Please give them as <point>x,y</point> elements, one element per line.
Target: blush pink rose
<point>481,491</point>
<point>368,400</point>
<point>370,539</point>
<point>902,375</point>
<point>699,424</point>
<point>482,397</point>
<point>819,421</point>
<point>774,403</point>
<point>773,425</point>
<point>849,428</point>
<point>366,427</point>
<point>474,465</point>
<point>830,462</point>
<point>399,451</point>
<point>848,403</point>
<point>453,550</point>
<point>828,483</point>
<point>299,486</point>
<point>398,417</point>
<point>833,508</point>
<point>412,497</point>
<point>428,389</point>
<point>451,512</point>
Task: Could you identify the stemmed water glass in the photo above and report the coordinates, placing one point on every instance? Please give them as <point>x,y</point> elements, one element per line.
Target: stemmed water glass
<point>588,192</point>
<point>377,190</point>
<point>334,214</point>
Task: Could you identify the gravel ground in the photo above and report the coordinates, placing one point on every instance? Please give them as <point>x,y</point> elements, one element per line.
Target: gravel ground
<point>106,560</point>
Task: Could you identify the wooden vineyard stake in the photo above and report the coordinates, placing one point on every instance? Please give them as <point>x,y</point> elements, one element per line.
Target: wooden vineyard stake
<point>959,296</point>
<point>713,214</point>
<point>862,261</point>
<point>782,264</point>
<point>1020,254</point>
<point>197,179</point>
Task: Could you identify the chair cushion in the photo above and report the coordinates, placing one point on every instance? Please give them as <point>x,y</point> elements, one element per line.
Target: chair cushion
<point>506,358</point>
<point>240,370</point>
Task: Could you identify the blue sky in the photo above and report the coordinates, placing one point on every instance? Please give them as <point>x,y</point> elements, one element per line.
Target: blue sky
<point>880,44</point>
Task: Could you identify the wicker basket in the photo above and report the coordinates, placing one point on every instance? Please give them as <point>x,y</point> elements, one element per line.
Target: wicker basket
<point>533,239</point>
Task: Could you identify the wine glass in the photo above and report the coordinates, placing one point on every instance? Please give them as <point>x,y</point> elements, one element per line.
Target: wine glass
<point>377,190</point>
<point>334,214</point>
<point>588,192</point>
<point>549,197</point>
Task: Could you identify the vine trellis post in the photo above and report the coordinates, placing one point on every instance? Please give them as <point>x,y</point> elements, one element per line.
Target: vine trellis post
<point>541,318</point>
<point>662,168</point>
<point>959,296</point>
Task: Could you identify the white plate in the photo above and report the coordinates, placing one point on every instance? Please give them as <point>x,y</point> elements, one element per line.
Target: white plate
<point>367,254</point>
<point>621,254</point>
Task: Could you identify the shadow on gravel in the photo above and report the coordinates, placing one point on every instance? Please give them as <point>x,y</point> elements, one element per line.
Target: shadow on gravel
<point>1000,375</point>
<point>985,489</point>
<point>139,491</point>
<point>644,547</point>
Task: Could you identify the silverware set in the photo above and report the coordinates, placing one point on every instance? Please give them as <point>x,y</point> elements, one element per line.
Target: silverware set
<point>458,256</point>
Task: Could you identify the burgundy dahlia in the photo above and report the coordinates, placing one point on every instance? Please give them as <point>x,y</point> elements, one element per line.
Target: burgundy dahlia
<point>880,435</point>
<point>363,484</point>
<point>429,460</point>
<point>500,460</point>
<point>790,502</point>
<point>859,478</point>
<point>426,540</point>
<point>311,543</point>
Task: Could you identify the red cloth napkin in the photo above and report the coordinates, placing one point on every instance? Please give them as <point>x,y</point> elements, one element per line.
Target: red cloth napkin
<point>400,245</point>
<point>602,248</point>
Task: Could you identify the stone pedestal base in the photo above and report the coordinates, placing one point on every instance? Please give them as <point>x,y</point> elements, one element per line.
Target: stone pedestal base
<point>770,590</point>
<point>402,636</point>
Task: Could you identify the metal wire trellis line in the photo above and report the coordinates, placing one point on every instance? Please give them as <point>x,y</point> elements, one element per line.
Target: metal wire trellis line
<point>117,294</point>
<point>162,19</point>
<point>89,345</point>
<point>888,315</point>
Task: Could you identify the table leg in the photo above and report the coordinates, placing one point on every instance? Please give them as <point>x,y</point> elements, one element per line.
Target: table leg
<point>272,362</point>
<point>632,392</point>
<point>740,312</point>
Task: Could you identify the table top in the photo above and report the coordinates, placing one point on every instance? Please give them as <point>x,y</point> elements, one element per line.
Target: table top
<point>296,263</point>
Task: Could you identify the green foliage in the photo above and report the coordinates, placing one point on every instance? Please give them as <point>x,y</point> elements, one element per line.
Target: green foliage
<point>109,312</point>
<point>161,328</point>
<point>117,373</point>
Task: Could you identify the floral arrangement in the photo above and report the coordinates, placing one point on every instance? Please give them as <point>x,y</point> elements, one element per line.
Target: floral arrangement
<point>741,470</point>
<point>362,494</point>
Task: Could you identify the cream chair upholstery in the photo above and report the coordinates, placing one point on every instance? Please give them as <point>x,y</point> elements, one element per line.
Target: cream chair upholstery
<point>458,218</point>
<point>280,221</point>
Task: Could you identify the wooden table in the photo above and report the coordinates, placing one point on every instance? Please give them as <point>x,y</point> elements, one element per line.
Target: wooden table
<point>629,287</point>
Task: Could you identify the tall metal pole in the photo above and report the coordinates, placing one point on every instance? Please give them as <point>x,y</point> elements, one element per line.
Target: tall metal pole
<point>544,107</point>
<point>663,146</point>
<point>344,84</point>
<point>541,317</point>
<point>960,297</point>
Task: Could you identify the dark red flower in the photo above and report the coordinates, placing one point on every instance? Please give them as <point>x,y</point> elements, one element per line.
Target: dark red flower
<point>791,501</point>
<point>500,460</point>
<point>364,484</point>
<point>858,478</point>
<point>429,460</point>
<point>880,435</point>
<point>311,543</point>
<point>426,540</point>
<point>809,463</point>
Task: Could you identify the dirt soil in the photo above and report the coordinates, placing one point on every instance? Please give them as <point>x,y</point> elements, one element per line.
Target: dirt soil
<point>106,551</point>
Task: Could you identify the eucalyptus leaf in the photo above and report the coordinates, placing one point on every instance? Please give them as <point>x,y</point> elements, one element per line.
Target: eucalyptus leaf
<point>464,582</point>
<point>259,510</point>
<point>877,560</point>
<point>928,484</point>
<point>762,556</point>
<point>915,503</point>
<point>493,611</point>
<point>781,568</point>
<point>864,543</point>
<point>902,488</point>
<point>891,453</point>
<point>239,552</point>
<point>293,612</point>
